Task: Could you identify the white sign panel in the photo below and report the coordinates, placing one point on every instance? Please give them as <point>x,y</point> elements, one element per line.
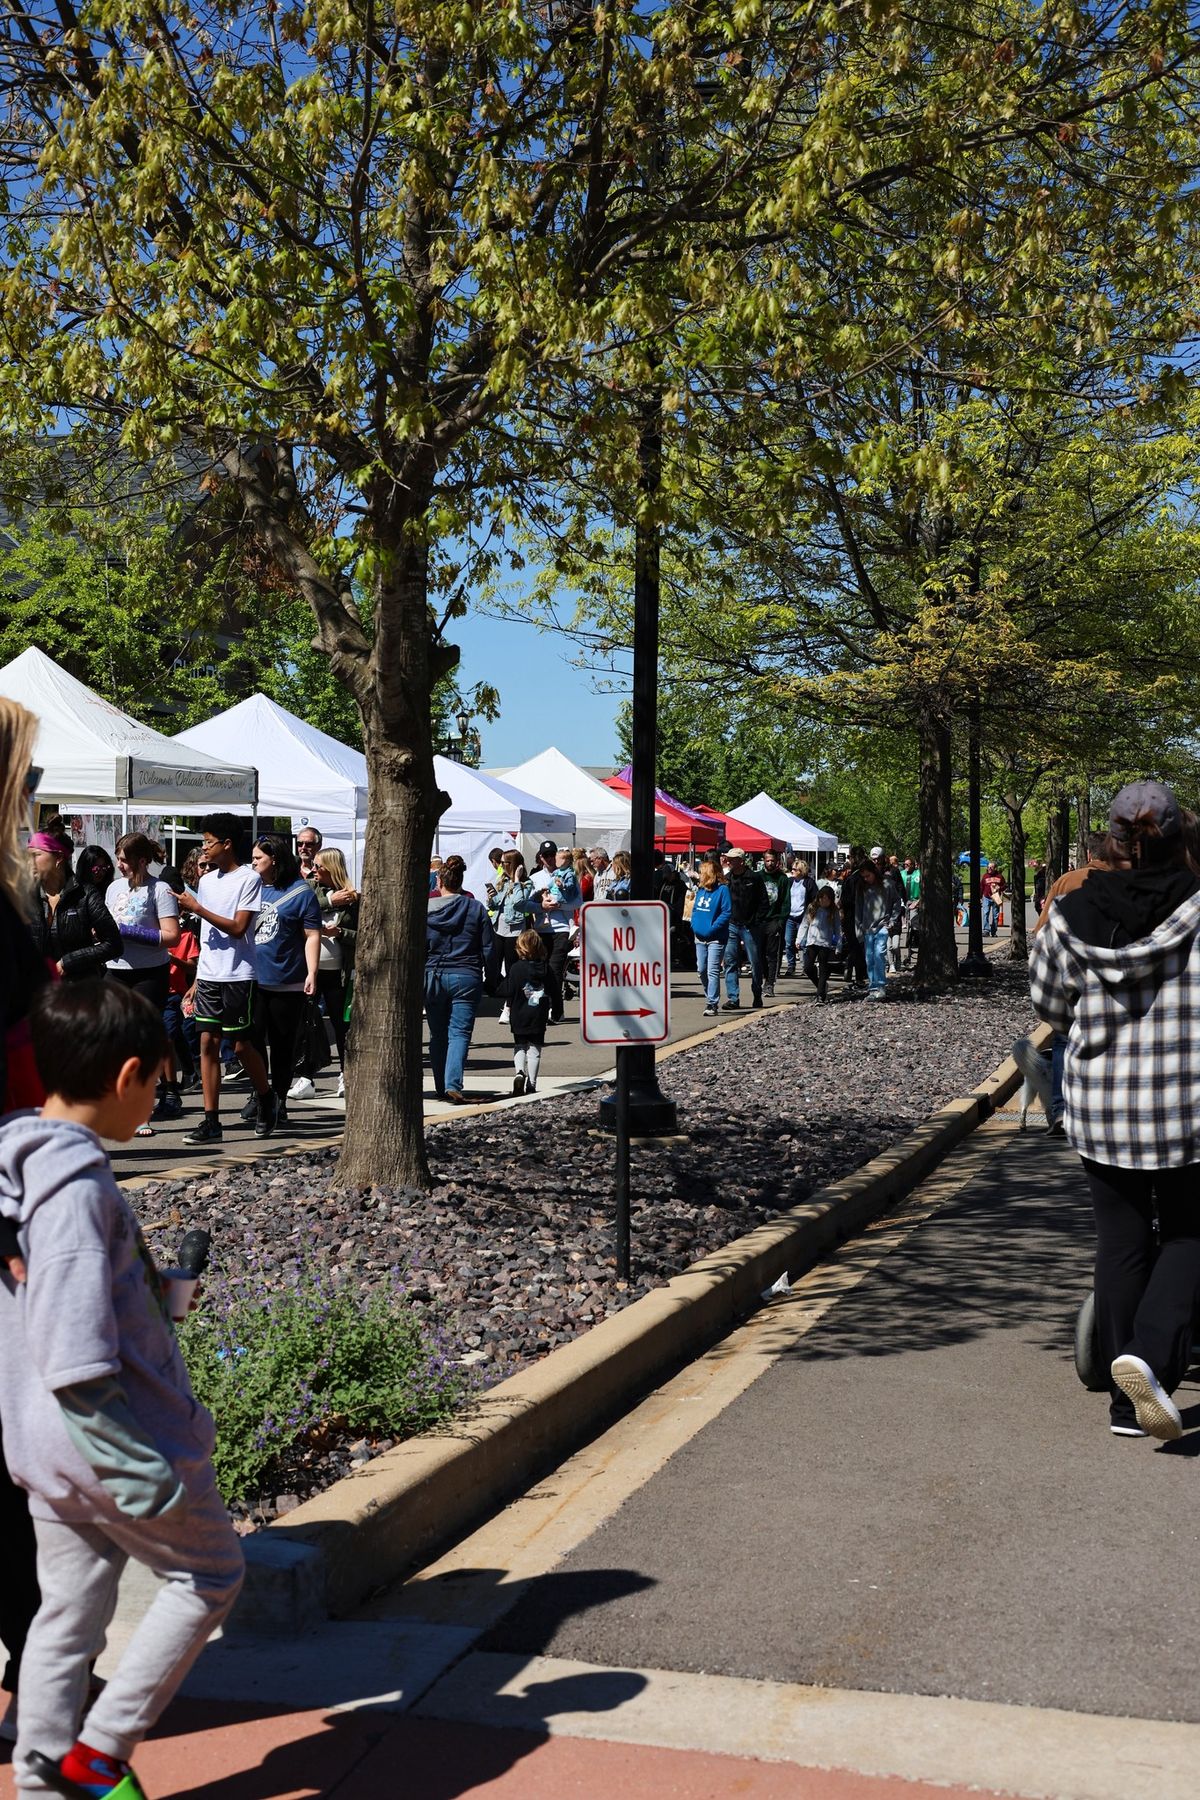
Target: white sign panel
<point>624,965</point>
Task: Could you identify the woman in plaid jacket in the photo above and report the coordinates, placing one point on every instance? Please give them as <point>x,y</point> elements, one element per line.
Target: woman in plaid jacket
<point>1117,968</point>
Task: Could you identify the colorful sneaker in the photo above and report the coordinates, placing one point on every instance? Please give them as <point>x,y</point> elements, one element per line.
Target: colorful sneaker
<point>95,1770</point>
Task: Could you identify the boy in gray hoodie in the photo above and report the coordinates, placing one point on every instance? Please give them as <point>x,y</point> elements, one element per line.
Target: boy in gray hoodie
<point>100,1423</point>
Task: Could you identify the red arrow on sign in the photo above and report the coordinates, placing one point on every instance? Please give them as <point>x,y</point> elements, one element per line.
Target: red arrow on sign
<point>630,1012</point>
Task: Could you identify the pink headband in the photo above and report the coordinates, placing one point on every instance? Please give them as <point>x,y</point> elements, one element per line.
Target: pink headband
<point>42,840</point>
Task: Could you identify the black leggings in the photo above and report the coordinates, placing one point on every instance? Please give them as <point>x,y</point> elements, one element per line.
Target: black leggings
<point>275,1033</point>
<point>153,983</point>
<point>1147,1295</point>
<point>331,986</point>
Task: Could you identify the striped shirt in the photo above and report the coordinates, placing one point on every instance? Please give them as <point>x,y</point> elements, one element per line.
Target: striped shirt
<point>1131,1078</point>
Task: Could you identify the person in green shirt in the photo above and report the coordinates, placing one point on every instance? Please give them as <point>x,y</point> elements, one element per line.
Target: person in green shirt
<point>910,879</point>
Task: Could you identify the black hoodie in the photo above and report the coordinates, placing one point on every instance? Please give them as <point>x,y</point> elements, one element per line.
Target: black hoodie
<point>1114,907</point>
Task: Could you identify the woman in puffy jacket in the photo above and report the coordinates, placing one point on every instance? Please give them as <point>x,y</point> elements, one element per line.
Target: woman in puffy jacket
<point>72,926</point>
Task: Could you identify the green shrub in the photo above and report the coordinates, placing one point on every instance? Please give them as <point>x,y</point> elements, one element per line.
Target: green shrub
<point>280,1357</point>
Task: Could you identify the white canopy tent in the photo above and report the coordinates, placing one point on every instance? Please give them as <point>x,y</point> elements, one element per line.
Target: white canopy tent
<point>95,757</point>
<point>602,817</point>
<point>765,814</point>
<point>303,773</point>
<point>485,812</point>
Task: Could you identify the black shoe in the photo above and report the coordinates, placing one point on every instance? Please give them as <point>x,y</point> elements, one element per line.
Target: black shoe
<point>518,1084</point>
<point>268,1116</point>
<point>249,1112</point>
<point>170,1106</point>
<point>206,1132</point>
<point>731,1006</point>
<point>529,1086</point>
<point>710,1012</point>
<point>757,1001</point>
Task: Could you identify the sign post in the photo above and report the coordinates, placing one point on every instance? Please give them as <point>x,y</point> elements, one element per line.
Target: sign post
<point>625,999</point>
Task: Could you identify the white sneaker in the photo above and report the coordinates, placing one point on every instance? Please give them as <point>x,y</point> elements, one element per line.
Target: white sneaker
<point>1157,1413</point>
<point>302,1089</point>
<point>504,1015</point>
<point>341,1093</point>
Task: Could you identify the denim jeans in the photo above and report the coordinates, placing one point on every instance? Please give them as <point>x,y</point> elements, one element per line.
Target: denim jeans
<point>451,1000</point>
<point>991,913</point>
<point>743,939</point>
<point>791,927</point>
<point>875,943</point>
<point>181,1030</point>
<point>708,966</point>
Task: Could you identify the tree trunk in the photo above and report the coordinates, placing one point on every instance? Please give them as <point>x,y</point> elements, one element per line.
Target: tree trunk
<point>1083,824</point>
<point>937,958</point>
<point>385,1139</point>
<point>1019,943</point>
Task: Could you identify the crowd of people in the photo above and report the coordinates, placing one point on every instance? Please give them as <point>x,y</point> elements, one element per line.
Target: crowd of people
<point>238,958</point>
<point>739,922</point>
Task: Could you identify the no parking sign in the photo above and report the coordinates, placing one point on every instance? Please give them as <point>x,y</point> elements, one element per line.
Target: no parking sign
<point>624,969</point>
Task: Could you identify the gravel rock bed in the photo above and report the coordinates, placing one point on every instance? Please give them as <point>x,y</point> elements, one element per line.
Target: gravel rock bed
<point>513,1246</point>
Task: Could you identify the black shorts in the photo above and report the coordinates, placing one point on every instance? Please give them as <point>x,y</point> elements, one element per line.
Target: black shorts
<point>225,1006</point>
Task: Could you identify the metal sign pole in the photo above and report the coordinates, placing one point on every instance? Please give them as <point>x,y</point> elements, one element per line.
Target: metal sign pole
<point>622,1163</point>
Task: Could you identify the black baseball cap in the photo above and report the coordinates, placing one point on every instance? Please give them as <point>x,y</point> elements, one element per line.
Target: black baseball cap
<point>547,849</point>
<point>1145,800</point>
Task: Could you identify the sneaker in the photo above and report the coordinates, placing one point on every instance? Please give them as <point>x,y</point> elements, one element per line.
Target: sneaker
<point>53,1776</point>
<point>1056,1128</point>
<point>268,1116</point>
<point>530,1086</point>
<point>1126,1428</point>
<point>455,1097</point>
<point>205,1133</point>
<point>770,991</point>
<point>1157,1413</point>
<point>518,1084</point>
<point>504,1015</point>
<point>249,1112</point>
<point>757,1001</point>
<point>710,1012</point>
<point>303,1088</point>
<point>731,1006</point>
<point>1035,1069</point>
<point>170,1106</point>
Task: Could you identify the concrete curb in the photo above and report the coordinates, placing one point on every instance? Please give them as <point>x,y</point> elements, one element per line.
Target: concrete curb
<point>368,1528</point>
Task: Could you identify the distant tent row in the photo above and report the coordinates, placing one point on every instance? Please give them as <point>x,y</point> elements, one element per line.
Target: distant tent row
<point>258,759</point>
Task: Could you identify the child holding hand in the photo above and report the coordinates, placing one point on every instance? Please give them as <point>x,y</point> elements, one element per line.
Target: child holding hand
<point>100,1424</point>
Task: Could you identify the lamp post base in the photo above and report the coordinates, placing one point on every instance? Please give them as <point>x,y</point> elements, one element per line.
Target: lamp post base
<point>651,1114</point>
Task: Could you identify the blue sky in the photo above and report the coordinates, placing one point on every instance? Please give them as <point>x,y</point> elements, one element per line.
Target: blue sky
<point>543,699</point>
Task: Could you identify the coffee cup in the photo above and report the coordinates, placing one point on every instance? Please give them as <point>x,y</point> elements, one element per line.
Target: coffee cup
<point>180,1288</point>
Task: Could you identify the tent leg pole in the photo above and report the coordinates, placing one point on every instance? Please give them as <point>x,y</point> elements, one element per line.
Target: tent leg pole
<point>125,818</point>
<point>174,835</point>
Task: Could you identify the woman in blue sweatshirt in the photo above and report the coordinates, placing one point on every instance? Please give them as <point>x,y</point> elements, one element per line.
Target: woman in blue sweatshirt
<point>710,928</point>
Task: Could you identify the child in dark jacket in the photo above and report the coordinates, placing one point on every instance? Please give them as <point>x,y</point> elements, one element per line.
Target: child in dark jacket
<point>534,997</point>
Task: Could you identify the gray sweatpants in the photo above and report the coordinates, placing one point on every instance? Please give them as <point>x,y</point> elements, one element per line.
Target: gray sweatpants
<point>79,1568</point>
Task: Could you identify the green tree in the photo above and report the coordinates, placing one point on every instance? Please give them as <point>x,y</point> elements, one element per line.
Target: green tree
<point>398,270</point>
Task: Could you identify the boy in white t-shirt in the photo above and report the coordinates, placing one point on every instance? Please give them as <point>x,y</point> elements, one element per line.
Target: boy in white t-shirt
<point>229,902</point>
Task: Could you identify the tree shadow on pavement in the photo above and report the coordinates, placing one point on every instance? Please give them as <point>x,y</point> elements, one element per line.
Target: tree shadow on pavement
<point>1012,1251</point>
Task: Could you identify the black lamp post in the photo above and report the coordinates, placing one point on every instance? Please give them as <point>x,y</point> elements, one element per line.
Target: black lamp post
<point>974,962</point>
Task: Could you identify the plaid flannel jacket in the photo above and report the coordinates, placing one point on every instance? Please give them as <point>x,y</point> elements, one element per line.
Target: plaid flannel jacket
<point>1131,1078</point>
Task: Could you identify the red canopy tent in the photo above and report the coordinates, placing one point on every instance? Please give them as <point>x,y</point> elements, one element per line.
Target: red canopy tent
<point>685,829</point>
<point>742,837</point>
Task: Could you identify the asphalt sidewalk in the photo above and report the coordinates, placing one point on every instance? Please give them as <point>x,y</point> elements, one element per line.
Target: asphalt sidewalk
<point>877,1544</point>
